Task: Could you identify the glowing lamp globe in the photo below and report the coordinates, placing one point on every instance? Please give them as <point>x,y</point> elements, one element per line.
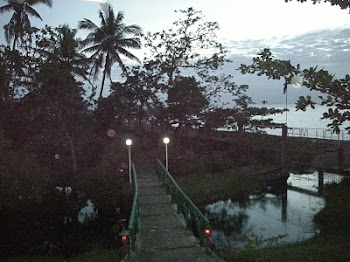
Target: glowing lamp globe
<point>128,142</point>
<point>166,140</point>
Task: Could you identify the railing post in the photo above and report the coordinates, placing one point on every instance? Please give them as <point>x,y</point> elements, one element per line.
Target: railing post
<point>284,146</point>
<point>133,226</point>
<point>320,180</point>
<point>340,158</point>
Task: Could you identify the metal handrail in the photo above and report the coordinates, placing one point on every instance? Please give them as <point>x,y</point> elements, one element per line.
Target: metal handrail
<point>318,133</point>
<point>133,226</point>
<point>195,219</point>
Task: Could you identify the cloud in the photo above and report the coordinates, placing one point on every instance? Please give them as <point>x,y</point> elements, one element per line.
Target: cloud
<point>328,49</point>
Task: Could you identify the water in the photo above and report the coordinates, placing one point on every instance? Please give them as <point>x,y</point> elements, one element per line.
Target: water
<point>288,214</point>
<point>305,123</point>
<point>88,212</point>
<point>311,118</point>
<point>310,181</point>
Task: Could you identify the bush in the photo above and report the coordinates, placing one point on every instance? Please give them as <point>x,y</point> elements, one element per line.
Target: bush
<point>335,216</point>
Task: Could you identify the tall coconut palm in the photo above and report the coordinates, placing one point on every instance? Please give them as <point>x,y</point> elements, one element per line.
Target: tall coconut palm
<point>64,47</point>
<point>110,40</point>
<point>19,21</point>
<point>61,60</point>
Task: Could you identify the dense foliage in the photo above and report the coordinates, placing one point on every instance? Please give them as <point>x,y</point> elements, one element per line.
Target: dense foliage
<point>343,4</point>
<point>19,24</point>
<point>54,154</point>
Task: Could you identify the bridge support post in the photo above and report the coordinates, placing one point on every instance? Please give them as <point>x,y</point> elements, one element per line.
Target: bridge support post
<point>284,146</point>
<point>284,207</point>
<point>340,158</point>
<point>320,180</point>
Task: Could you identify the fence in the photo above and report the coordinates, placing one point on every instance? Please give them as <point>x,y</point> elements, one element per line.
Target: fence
<point>316,133</point>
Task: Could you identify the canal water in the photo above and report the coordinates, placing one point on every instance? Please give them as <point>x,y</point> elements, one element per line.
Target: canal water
<point>286,216</point>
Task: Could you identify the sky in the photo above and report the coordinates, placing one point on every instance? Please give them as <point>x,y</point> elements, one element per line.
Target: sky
<point>303,33</point>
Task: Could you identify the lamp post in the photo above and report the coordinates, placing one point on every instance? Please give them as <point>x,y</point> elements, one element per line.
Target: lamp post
<point>166,141</point>
<point>129,143</point>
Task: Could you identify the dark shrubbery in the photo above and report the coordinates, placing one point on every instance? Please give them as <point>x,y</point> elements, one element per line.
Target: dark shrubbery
<point>335,216</point>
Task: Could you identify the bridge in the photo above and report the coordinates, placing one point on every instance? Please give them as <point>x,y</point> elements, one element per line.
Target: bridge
<point>165,225</point>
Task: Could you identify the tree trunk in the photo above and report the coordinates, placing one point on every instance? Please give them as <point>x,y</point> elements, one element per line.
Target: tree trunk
<point>14,43</point>
<point>104,76</point>
<point>170,80</point>
<point>72,149</point>
<point>103,82</point>
<point>70,141</point>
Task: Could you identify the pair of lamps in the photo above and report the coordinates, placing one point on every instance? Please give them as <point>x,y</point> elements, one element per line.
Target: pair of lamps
<point>166,141</point>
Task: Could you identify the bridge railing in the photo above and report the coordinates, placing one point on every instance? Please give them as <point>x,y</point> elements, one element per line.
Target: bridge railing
<point>313,133</point>
<point>195,219</point>
<point>133,226</point>
<point>318,133</point>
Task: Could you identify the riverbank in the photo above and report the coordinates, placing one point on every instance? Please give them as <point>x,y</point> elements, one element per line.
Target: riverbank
<point>91,256</point>
<point>236,183</point>
<point>321,248</point>
<point>332,244</point>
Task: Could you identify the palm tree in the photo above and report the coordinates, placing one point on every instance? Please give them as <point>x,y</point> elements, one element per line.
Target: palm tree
<point>110,40</point>
<point>19,21</point>
<point>60,62</point>
<point>65,49</point>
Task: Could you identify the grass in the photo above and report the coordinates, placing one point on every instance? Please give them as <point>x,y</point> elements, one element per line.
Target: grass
<point>206,188</point>
<point>335,216</point>
<point>325,248</point>
<point>101,255</point>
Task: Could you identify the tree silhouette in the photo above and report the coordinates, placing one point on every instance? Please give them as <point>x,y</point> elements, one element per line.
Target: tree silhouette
<point>19,22</point>
<point>186,103</point>
<point>190,45</point>
<point>52,93</point>
<point>64,46</point>
<point>110,40</point>
<point>343,4</point>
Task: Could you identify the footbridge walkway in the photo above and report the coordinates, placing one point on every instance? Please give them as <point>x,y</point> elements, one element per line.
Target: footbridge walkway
<point>164,224</point>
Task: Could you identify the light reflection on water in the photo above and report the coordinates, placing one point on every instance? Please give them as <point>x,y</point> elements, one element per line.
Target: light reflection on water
<point>310,181</point>
<point>289,213</point>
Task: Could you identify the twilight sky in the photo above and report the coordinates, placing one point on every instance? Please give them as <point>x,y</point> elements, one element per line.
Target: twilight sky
<point>303,33</point>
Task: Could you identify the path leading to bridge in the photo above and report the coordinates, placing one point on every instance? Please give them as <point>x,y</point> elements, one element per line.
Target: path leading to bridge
<point>163,235</point>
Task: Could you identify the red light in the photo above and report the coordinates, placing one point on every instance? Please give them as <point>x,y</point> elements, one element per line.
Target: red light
<point>124,238</point>
<point>121,171</point>
<point>207,231</point>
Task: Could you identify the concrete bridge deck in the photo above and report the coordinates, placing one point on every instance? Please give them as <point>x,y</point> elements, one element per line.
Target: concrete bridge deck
<point>163,235</point>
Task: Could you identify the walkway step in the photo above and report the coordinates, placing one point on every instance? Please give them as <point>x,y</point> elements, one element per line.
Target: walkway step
<point>145,191</point>
<point>159,209</point>
<point>149,183</point>
<point>152,240</point>
<point>162,222</point>
<point>191,254</point>
<point>148,179</point>
<point>155,199</point>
